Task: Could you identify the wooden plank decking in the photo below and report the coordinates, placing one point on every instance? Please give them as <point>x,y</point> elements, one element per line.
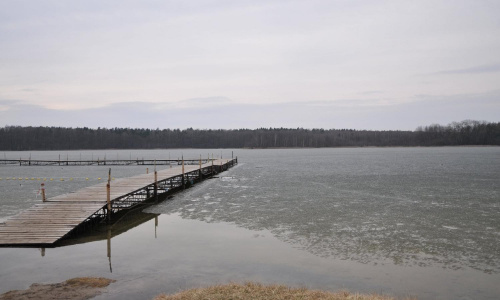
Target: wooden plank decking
<point>47,222</point>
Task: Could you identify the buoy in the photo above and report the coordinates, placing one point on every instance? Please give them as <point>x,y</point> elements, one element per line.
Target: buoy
<point>99,178</point>
<point>87,178</point>
<point>71,179</point>
<point>51,179</point>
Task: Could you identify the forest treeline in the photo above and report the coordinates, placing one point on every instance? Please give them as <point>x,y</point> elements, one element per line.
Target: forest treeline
<point>60,138</point>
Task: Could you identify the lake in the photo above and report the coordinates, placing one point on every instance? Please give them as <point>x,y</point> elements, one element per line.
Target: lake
<point>401,221</point>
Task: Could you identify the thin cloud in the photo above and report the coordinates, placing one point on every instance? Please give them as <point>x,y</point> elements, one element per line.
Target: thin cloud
<point>9,102</point>
<point>492,68</point>
<point>205,101</point>
<point>371,92</point>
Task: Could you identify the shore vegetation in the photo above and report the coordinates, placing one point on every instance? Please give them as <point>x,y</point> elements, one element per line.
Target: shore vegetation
<point>256,291</point>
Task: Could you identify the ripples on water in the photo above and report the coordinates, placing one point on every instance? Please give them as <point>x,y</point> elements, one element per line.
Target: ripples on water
<point>407,206</point>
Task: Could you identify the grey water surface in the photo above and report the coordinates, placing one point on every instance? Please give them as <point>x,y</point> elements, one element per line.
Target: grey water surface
<point>402,221</point>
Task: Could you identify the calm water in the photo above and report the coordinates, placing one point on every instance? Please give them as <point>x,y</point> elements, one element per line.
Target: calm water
<point>404,221</point>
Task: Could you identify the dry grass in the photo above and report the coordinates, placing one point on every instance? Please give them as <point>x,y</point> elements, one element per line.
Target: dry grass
<point>94,282</point>
<point>252,291</point>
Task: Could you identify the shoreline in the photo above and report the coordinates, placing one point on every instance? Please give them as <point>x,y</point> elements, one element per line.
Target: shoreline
<point>81,288</point>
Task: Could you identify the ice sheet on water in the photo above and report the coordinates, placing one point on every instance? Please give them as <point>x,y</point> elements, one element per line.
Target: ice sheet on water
<point>408,210</point>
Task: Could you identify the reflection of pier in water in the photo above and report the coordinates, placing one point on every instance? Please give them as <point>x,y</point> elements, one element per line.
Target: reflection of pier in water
<point>128,221</point>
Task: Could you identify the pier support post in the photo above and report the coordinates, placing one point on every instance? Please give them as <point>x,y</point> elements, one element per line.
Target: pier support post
<point>199,173</point>
<point>43,192</point>
<point>156,184</point>
<point>108,195</point>
<point>183,181</point>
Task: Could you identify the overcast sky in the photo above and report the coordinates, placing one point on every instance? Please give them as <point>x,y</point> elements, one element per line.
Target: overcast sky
<point>232,64</point>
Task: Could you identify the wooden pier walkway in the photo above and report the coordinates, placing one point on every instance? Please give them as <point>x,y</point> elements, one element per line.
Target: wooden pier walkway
<point>48,222</point>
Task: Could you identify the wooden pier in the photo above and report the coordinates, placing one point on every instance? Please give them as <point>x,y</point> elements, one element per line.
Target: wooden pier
<point>50,221</point>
